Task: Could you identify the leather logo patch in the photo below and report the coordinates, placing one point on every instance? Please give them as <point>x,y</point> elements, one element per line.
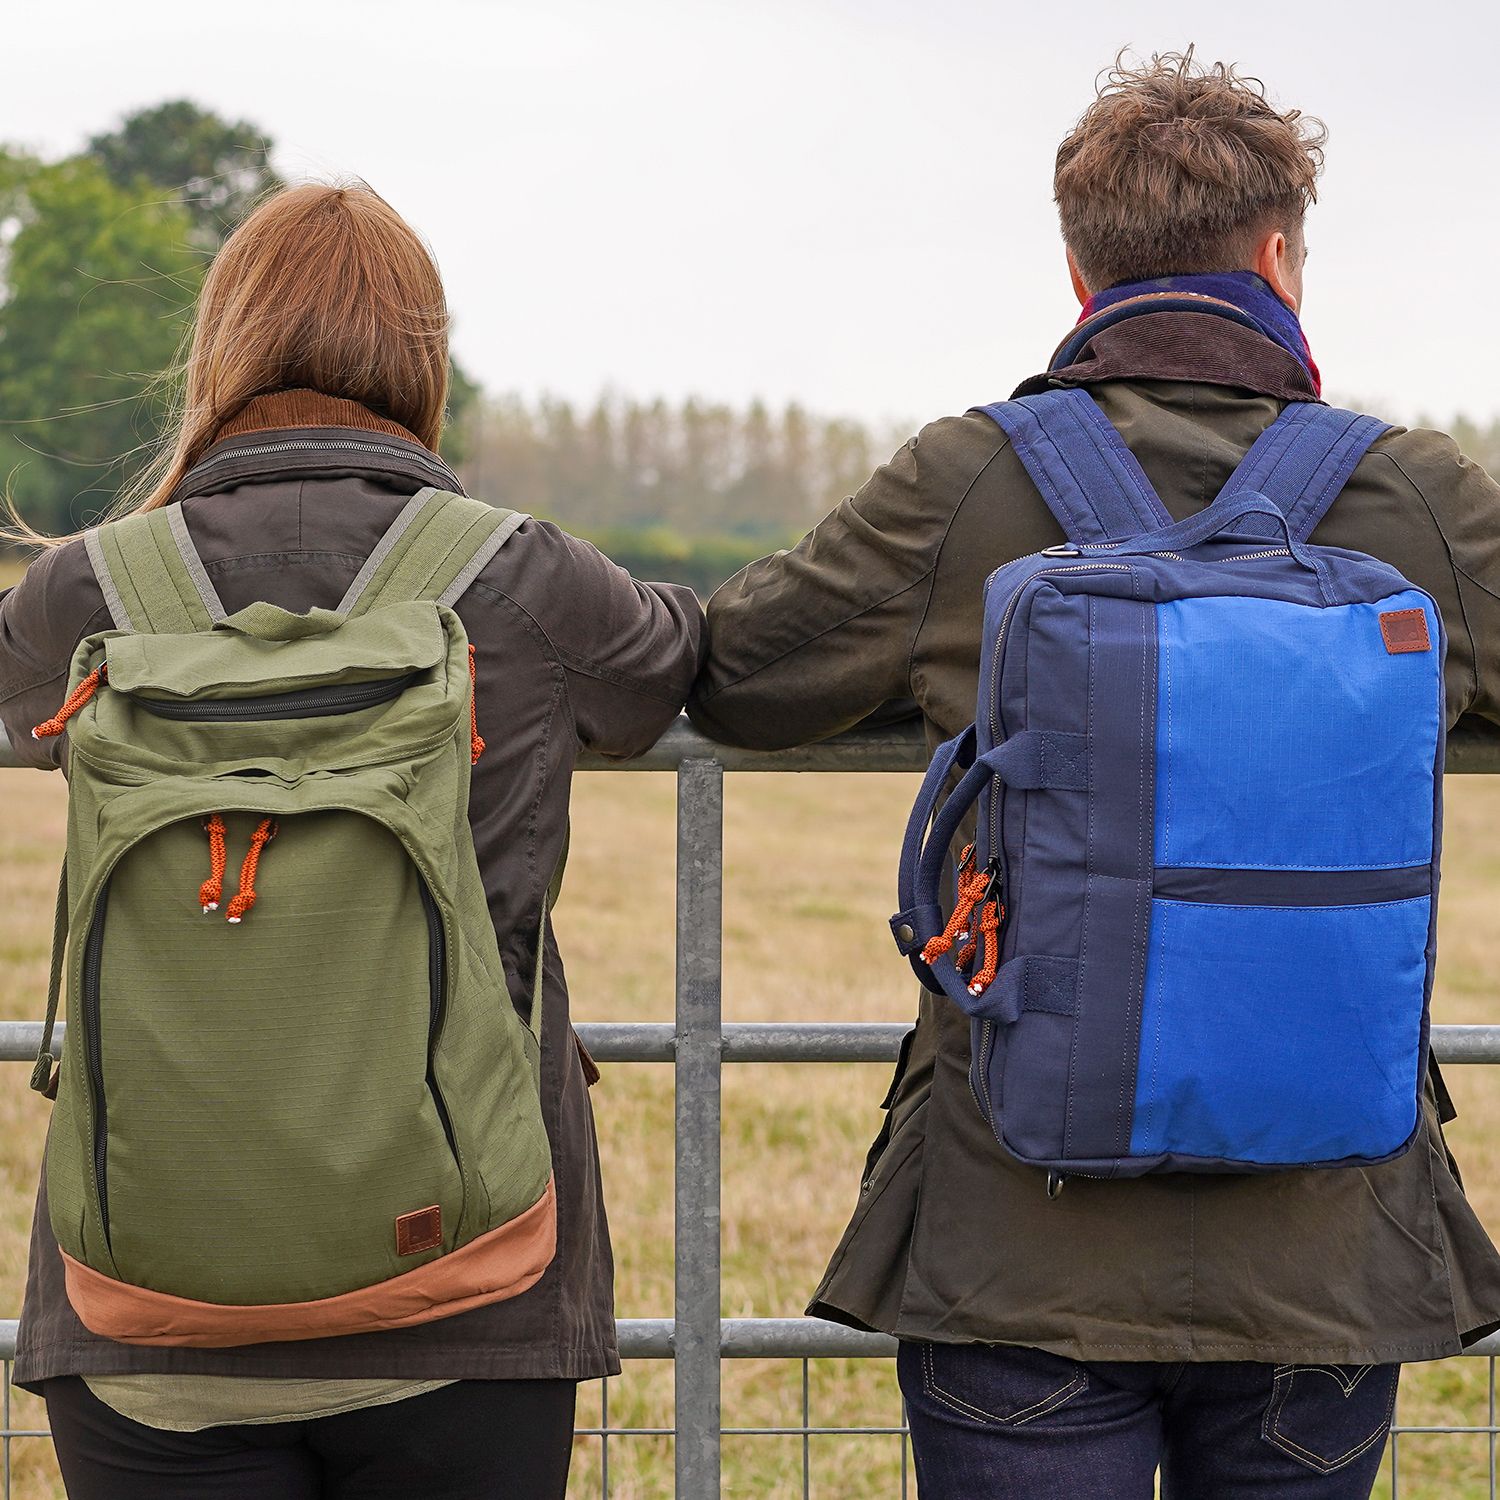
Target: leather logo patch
<point>1405,630</point>
<point>419,1231</point>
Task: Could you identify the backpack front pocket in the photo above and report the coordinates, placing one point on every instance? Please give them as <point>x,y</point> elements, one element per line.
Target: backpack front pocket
<point>260,1131</point>
<point>1281,1035</point>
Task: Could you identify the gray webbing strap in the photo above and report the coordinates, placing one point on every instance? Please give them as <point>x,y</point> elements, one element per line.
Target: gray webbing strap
<point>476,564</point>
<point>194,564</point>
<point>383,548</point>
<point>434,550</point>
<point>151,575</point>
<point>106,580</point>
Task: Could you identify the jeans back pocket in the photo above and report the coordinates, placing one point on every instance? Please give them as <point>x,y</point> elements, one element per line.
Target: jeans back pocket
<point>1326,1416</point>
<point>999,1385</point>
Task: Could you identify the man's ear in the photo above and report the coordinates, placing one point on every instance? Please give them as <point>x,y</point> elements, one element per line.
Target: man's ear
<point>1080,288</point>
<point>1278,261</point>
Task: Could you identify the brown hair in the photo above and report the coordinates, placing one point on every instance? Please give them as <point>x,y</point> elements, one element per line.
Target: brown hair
<point>1176,168</point>
<point>321,288</point>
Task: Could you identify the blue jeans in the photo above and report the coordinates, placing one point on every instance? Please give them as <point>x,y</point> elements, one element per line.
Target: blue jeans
<point>997,1422</point>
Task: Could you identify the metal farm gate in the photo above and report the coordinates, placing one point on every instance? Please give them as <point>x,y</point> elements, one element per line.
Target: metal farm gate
<point>697,1044</point>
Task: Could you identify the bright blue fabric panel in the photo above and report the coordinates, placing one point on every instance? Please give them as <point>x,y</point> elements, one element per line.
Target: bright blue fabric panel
<point>1280,1034</point>
<point>1290,738</point>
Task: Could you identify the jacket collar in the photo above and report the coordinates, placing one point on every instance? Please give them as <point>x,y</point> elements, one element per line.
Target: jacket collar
<point>1171,343</point>
<point>290,434</point>
<point>277,410</point>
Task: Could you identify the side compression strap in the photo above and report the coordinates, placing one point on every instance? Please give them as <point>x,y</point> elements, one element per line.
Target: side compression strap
<point>1090,480</point>
<point>1304,459</point>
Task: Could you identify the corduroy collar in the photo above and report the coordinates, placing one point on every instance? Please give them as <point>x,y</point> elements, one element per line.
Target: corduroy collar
<point>303,408</point>
<point>1203,348</point>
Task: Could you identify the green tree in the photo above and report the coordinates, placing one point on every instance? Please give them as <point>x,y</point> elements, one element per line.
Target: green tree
<point>97,284</point>
<point>216,169</point>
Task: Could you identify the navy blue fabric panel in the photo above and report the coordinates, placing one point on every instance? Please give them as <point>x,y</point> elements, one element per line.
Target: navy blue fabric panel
<point>1293,887</point>
<point>1043,681</point>
<point>1290,738</point>
<point>1088,478</point>
<point>1303,459</point>
<point>1117,895</point>
<point>1047,831</point>
<point>1030,1063</point>
<point>1282,1035</point>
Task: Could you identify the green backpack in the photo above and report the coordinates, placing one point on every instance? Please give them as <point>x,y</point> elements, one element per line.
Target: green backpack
<point>306,1106</point>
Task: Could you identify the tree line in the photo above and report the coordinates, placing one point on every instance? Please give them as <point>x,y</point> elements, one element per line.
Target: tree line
<point>102,254</point>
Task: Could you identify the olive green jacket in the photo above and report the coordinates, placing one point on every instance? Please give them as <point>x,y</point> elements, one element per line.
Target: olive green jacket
<point>952,1239</point>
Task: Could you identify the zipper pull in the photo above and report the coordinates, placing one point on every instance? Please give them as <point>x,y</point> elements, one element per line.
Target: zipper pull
<point>75,700</point>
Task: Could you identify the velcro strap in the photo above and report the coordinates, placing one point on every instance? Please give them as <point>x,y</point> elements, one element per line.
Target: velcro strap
<point>1030,983</point>
<point>1037,758</point>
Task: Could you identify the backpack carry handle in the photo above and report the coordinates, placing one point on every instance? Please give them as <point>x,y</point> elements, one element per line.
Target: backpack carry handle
<point>914,925</point>
<point>1217,521</point>
<point>921,917</point>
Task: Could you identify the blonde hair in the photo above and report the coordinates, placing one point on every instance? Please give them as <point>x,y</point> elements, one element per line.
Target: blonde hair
<point>322,288</point>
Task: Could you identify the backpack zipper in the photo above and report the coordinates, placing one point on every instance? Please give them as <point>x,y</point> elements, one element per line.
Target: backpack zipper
<point>306,703</point>
<point>437,982</point>
<point>94,1050</point>
<point>344,445</point>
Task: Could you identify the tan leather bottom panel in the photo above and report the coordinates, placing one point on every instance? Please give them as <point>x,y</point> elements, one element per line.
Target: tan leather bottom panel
<point>502,1263</point>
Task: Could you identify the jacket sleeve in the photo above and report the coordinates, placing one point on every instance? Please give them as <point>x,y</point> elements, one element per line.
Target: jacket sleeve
<point>1464,503</point>
<point>42,620</point>
<point>629,650</point>
<point>810,642</point>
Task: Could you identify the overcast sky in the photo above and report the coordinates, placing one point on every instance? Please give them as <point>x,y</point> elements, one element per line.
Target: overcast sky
<point>846,202</point>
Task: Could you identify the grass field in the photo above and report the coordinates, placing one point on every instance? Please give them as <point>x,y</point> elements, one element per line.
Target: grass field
<point>793,1135</point>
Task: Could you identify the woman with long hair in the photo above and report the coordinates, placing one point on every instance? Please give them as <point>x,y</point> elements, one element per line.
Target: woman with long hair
<point>312,400</point>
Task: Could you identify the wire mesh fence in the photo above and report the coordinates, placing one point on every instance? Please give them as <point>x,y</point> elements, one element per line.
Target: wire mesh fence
<point>697,1044</point>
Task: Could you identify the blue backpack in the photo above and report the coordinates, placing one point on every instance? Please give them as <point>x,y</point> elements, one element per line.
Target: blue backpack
<point>1196,927</point>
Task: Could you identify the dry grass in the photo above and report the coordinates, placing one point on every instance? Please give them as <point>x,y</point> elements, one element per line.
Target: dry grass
<point>793,1135</point>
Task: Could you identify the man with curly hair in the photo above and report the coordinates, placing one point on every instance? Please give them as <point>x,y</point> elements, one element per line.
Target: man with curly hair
<point>1240,1335</point>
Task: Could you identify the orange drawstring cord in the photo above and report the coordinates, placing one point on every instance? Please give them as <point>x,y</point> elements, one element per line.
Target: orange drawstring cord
<point>245,897</point>
<point>476,745</point>
<point>76,699</point>
<point>991,914</point>
<point>212,889</point>
<point>972,885</point>
<point>974,888</point>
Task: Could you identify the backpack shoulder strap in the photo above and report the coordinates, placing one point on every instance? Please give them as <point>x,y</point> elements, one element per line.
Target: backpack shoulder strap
<point>434,549</point>
<point>1304,459</point>
<point>151,575</point>
<point>1090,480</point>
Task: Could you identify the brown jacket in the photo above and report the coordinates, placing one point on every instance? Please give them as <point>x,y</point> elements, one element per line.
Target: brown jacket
<point>571,653</point>
<point>952,1239</point>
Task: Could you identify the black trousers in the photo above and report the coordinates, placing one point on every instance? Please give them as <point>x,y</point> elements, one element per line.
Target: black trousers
<point>475,1440</point>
